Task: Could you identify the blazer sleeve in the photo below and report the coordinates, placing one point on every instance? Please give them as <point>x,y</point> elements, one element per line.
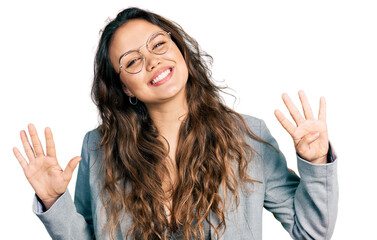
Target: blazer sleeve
<point>66,220</point>
<point>306,206</point>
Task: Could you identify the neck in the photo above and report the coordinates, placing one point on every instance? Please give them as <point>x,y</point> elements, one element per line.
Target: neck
<point>168,116</point>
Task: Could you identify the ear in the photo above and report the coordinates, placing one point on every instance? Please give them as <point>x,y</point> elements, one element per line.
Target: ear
<point>126,90</point>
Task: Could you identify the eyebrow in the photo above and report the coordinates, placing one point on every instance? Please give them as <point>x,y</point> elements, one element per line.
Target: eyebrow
<point>145,44</point>
<point>126,54</point>
<point>134,50</point>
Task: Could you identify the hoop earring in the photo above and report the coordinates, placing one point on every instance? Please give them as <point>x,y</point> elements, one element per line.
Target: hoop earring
<point>132,103</point>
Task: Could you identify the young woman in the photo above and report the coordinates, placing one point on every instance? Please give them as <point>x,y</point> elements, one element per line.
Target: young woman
<point>170,160</point>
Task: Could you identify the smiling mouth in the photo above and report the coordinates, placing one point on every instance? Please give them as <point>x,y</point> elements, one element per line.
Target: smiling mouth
<point>160,77</point>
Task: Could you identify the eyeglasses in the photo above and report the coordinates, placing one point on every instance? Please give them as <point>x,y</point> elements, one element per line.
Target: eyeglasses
<point>133,61</point>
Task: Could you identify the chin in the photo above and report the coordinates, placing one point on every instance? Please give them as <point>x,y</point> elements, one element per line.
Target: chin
<point>174,93</point>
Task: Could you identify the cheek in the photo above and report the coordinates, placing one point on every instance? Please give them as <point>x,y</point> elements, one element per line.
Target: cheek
<point>176,53</point>
<point>129,84</point>
<point>180,57</point>
<point>180,61</point>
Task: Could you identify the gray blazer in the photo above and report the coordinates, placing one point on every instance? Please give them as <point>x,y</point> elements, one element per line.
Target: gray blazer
<point>306,207</point>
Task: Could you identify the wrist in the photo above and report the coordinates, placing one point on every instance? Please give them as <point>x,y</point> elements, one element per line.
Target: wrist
<point>47,203</point>
<point>321,160</point>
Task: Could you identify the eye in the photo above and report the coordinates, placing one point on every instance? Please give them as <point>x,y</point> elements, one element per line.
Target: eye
<point>158,45</point>
<point>132,62</point>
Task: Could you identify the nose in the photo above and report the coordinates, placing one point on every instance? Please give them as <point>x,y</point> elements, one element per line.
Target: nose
<point>151,60</point>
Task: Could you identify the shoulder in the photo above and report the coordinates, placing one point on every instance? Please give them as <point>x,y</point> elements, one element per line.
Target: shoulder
<point>91,151</point>
<point>251,120</point>
<point>93,136</point>
<point>92,139</point>
<point>256,125</point>
<point>261,140</point>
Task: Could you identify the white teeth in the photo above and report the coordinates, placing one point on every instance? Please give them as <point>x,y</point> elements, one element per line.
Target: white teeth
<point>161,76</point>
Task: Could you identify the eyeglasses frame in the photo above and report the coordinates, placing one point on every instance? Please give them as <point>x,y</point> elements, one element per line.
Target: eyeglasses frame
<point>139,51</point>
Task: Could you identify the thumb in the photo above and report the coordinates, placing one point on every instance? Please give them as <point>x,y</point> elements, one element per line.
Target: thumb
<point>306,141</point>
<point>68,171</point>
<point>311,137</point>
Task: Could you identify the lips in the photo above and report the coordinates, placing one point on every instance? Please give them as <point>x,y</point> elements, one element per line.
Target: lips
<point>161,76</point>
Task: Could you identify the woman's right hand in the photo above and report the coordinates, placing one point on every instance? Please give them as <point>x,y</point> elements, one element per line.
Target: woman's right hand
<point>43,171</point>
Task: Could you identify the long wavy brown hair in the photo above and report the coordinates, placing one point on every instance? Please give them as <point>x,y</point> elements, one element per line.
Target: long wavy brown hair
<point>212,152</point>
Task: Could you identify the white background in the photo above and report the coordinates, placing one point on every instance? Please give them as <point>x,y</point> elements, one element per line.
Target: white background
<point>261,49</point>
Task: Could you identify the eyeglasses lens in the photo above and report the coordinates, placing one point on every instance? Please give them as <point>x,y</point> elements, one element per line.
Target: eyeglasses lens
<point>132,62</point>
<point>158,44</point>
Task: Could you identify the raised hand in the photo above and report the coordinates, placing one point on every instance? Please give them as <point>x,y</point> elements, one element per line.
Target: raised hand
<point>43,171</point>
<point>309,135</point>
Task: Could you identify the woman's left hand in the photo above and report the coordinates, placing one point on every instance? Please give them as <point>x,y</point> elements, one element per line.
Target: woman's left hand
<point>310,135</point>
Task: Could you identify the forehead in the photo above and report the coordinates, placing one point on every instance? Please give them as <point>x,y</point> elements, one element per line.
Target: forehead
<point>131,36</point>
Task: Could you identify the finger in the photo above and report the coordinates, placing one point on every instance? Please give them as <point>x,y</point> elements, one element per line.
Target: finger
<point>305,105</point>
<point>35,140</point>
<point>287,125</point>
<point>50,144</point>
<point>25,143</point>
<point>68,171</point>
<point>304,143</point>
<point>20,158</point>
<point>295,113</point>
<point>322,109</point>
<point>310,138</point>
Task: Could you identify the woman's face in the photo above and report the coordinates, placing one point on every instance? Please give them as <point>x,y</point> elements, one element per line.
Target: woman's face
<point>162,77</point>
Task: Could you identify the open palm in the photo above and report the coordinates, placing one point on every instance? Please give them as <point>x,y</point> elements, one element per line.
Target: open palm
<point>310,135</point>
<point>43,171</point>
